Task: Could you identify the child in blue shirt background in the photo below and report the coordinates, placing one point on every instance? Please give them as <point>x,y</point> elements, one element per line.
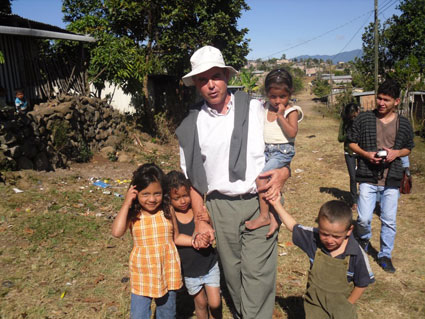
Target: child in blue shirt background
<point>21,103</point>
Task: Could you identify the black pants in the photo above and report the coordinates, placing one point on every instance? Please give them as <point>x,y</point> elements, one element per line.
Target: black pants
<point>351,161</point>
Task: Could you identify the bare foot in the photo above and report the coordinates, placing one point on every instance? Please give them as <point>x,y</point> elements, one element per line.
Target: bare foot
<point>258,222</point>
<point>273,226</point>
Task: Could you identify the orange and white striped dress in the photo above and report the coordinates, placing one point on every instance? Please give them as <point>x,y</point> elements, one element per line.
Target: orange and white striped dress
<point>154,260</point>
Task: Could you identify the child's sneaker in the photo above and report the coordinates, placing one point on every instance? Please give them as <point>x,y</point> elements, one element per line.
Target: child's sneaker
<point>386,264</point>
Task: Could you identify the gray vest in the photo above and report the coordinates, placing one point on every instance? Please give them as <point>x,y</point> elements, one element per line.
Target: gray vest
<point>187,134</point>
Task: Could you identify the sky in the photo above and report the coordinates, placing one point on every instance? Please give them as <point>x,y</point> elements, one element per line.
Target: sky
<point>276,27</point>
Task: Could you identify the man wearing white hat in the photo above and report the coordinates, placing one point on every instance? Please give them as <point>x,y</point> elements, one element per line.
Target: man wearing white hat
<point>222,153</point>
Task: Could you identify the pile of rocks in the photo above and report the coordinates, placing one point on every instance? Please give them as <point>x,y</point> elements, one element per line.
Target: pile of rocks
<point>67,129</point>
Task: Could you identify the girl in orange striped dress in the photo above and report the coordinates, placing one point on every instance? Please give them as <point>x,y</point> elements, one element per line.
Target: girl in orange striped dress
<point>154,261</point>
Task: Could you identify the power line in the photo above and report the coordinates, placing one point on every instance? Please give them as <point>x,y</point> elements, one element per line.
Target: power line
<point>381,10</point>
<point>367,19</point>
<point>317,37</point>
<point>384,7</point>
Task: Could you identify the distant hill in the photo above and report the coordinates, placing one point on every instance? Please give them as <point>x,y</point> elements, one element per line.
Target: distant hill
<point>340,57</point>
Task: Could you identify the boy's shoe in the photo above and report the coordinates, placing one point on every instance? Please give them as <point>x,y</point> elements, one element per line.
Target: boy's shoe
<point>364,243</point>
<point>386,264</point>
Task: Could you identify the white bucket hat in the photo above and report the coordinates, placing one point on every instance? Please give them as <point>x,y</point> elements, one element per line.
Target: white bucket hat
<point>204,59</point>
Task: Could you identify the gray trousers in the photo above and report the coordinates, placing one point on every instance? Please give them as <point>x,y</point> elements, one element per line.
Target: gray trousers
<point>248,258</point>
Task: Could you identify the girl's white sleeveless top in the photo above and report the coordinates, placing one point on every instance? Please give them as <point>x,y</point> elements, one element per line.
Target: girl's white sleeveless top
<point>273,133</point>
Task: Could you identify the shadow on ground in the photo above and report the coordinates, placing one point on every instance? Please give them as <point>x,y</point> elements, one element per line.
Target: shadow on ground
<point>371,251</point>
<point>186,307</point>
<point>184,304</point>
<point>337,193</point>
<point>293,306</point>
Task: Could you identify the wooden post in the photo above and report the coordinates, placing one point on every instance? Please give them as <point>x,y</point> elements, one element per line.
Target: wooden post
<point>376,47</point>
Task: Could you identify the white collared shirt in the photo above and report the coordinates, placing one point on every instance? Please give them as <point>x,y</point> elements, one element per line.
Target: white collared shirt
<point>214,132</point>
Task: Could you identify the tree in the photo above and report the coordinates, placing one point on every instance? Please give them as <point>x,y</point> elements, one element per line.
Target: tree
<point>401,48</point>
<point>138,38</point>
<point>247,79</point>
<point>6,6</point>
<point>297,79</point>
<point>407,71</point>
<point>406,33</point>
<point>321,88</point>
<point>112,58</point>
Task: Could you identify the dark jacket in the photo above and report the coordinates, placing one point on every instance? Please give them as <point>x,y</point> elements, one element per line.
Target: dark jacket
<point>342,135</point>
<point>363,133</point>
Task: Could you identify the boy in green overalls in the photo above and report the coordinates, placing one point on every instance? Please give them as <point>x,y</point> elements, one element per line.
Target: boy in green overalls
<point>339,268</point>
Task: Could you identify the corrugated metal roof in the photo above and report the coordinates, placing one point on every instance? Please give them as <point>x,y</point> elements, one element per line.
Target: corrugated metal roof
<point>16,25</point>
<point>336,77</point>
<point>363,93</point>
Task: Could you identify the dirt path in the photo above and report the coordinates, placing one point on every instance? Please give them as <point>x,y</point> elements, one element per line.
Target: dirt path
<point>319,175</point>
<point>58,260</point>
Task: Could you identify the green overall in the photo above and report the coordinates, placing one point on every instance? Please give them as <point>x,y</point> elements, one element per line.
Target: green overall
<point>328,289</point>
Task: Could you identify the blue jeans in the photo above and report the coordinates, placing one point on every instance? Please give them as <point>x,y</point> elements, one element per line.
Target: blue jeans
<point>278,155</point>
<point>366,205</point>
<point>165,306</point>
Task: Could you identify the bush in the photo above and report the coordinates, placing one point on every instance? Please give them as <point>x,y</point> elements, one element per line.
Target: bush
<point>84,153</point>
<point>163,127</point>
<point>60,131</point>
<point>321,88</point>
<point>342,100</point>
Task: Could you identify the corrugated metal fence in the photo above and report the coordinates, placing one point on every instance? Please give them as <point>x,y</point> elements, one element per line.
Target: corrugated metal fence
<point>38,76</point>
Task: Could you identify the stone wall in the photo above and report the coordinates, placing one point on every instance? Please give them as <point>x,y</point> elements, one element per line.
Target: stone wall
<point>54,133</point>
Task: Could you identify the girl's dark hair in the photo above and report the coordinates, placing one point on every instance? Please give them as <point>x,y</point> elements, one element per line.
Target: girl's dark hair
<point>175,179</point>
<point>279,78</point>
<point>143,176</point>
<point>347,114</point>
<point>336,211</point>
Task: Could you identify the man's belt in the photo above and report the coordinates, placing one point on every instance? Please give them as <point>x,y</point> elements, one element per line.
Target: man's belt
<point>218,195</point>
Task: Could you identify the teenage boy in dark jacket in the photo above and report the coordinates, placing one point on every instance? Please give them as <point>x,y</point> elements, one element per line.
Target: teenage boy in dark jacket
<point>380,138</point>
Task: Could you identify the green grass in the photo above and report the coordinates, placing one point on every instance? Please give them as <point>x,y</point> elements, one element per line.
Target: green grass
<point>51,224</point>
<point>51,241</point>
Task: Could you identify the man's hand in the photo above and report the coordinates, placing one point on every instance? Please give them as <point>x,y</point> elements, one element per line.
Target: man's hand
<point>392,154</point>
<point>277,177</point>
<point>200,216</point>
<point>207,231</point>
<point>200,241</point>
<point>371,157</point>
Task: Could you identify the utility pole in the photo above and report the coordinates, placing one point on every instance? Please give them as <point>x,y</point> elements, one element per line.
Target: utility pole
<point>330,82</point>
<point>376,47</point>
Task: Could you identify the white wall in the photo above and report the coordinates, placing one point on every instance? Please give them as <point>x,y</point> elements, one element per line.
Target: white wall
<point>120,100</point>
